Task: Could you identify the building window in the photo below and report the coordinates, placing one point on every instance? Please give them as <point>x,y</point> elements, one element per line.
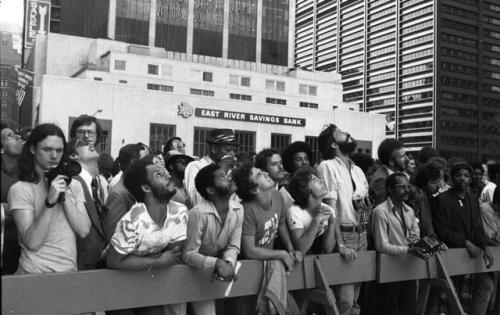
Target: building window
<point>160,87</point>
<point>208,76</point>
<point>246,140</point>
<point>273,85</point>
<point>122,81</point>
<point>272,100</point>
<point>312,142</point>
<point>305,89</point>
<point>239,80</point>
<point>166,70</point>
<point>201,92</point>
<point>158,136</point>
<point>241,97</point>
<point>97,79</point>
<point>153,69</point>
<point>200,147</point>
<point>308,105</point>
<point>120,64</point>
<point>279,141</point>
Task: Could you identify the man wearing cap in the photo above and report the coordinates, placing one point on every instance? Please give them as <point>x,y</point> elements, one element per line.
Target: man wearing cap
<point>456,219</point>
<point>221,150</point>
<point>176,162</point>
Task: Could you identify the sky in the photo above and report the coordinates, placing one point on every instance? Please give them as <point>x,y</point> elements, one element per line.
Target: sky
<point>11,13</point>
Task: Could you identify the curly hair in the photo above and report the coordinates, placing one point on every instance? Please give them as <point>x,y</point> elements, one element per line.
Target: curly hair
<point>299,186</point>
<point>242,177</point>
<point>386,150</point>
<point>136,176</point>
<point>325,140</point>
<point>291,150</point>
<point>205,179</point>
<point>262,158</point>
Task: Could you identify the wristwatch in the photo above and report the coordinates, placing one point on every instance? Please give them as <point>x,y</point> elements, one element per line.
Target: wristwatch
<point>48,204</point>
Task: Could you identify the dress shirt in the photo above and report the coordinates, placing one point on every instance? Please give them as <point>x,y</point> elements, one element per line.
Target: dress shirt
<point>190,173</point>
<point>390,237</point>
<point>491,222</point>
<point>208,236</point>
<point>335,174</point>
<point>87,178</point>
<point>115,180</point>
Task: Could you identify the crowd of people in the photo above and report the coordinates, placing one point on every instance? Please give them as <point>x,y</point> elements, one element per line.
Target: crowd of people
<point>68,207</point>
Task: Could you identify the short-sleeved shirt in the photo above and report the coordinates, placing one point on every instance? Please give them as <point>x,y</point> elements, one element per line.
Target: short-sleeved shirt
<point>136,233</point>
<point>58,251</point>
<point>264,224</point>
<point>339,180</point>
<point>299,218</point>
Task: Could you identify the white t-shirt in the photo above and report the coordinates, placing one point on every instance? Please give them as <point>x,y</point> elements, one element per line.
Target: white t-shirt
<point>299,218</point>
<point>136,233</point>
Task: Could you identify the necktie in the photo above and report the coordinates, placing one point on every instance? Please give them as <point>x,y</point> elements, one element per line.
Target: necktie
<point>95,195</point>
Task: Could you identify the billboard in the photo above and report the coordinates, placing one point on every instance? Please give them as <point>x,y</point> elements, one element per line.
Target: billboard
<point>37,21</point>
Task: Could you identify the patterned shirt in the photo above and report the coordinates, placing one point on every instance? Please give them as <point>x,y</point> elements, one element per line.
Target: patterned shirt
<point>136,233</point>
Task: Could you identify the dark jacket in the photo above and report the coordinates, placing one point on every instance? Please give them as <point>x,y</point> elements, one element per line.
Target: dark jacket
<point>119,202</point>
<point>421,204</point>
<point>89,248</point>
<point>454,225</point>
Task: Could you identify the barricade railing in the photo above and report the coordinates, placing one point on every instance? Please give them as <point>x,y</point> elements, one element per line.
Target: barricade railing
<point>100,290</point>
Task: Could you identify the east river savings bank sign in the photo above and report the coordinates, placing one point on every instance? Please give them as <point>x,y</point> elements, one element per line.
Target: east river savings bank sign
<point>259,118</point>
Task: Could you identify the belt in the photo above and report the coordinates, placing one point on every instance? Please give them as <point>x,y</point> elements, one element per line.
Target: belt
<point>360,228</point>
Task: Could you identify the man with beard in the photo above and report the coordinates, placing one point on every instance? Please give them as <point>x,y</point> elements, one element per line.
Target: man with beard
<point>456,219</point>
<point>222,146</point>
<point>152,233</point>
<point>393,157</point>
<point>347,194</point>
<point>395,229</point>
<point>214,229</point>
<point>12,145</point>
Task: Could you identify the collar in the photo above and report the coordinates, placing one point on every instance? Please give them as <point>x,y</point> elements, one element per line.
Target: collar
<point>86,176</point>
<point>389,171</point>
<point>349,162</point>
<point>208,159</point>
<point>391,205</point>
<point>208,207</point>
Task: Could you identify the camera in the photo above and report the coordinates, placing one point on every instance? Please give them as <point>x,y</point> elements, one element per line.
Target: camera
<point>67,168</point>
<point>428,244</point>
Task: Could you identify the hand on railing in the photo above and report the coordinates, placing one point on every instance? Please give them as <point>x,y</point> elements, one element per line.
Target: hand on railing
<point>488,257</point>
<point>473,250</point>
<point>419,252</point>
<point>169,257</point>
<point>347,253</point>
<point>288,259</point>
<point>224,271</point>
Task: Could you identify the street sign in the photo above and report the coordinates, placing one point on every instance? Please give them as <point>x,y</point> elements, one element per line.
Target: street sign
<point>37,21</point>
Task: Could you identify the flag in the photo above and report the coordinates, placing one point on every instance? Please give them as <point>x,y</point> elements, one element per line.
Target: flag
<point>24,78</point>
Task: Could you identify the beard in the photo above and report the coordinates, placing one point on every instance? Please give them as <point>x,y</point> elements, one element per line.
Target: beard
<point>348,147</point>
<point>163,196</point>
<point>223,190</point>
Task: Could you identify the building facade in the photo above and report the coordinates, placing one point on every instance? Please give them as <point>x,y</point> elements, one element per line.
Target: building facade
<point>145,94</point>
<point>431,67</point>
<point>249,30</point>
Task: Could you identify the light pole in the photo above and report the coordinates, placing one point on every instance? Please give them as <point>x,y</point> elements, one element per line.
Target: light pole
<point>97,112</point>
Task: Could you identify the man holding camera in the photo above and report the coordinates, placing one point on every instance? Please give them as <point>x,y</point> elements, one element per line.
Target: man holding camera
<point>89,249</point>
<point>48,214</point>
<point>395,230</point>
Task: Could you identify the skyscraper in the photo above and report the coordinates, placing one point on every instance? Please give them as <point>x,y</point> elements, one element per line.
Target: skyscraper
<point>432,67</point>
<point>247,30</point>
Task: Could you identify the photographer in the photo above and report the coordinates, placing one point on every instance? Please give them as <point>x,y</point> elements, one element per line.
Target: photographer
<point>395,229</point>
<point>46,222</point>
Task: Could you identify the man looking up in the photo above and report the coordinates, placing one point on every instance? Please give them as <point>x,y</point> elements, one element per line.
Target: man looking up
<point>456,219</point>
<point>12,145</point>
<point>86,127</point>
<point>392,155</point>
<point>222,146</point>
<point>347,194</point>
<point>214,229</point>
<point>395,229</point>
<point>152,232</point>
<point>95,190</point>
<point>269,161</point>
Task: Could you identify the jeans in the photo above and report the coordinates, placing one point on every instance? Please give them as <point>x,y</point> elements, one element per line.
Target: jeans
<point>482,290</point>
<point>347,294</point>
<point>399,298</point>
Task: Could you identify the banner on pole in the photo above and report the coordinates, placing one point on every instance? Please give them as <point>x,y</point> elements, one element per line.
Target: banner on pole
<point>24,78</point>
<point>37,21</point>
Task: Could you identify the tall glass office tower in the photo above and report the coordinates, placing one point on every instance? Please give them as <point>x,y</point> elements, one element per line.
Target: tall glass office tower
<point>432,67</point>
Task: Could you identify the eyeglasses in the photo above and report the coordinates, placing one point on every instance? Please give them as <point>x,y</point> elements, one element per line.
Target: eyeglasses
<point>179,145</point>
<point>402,187</point>
<point>84,132</point>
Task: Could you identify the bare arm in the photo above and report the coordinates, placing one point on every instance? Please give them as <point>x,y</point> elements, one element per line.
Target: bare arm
<point>75,210</point>
<point>328,238</point>
<point>116,260</point>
